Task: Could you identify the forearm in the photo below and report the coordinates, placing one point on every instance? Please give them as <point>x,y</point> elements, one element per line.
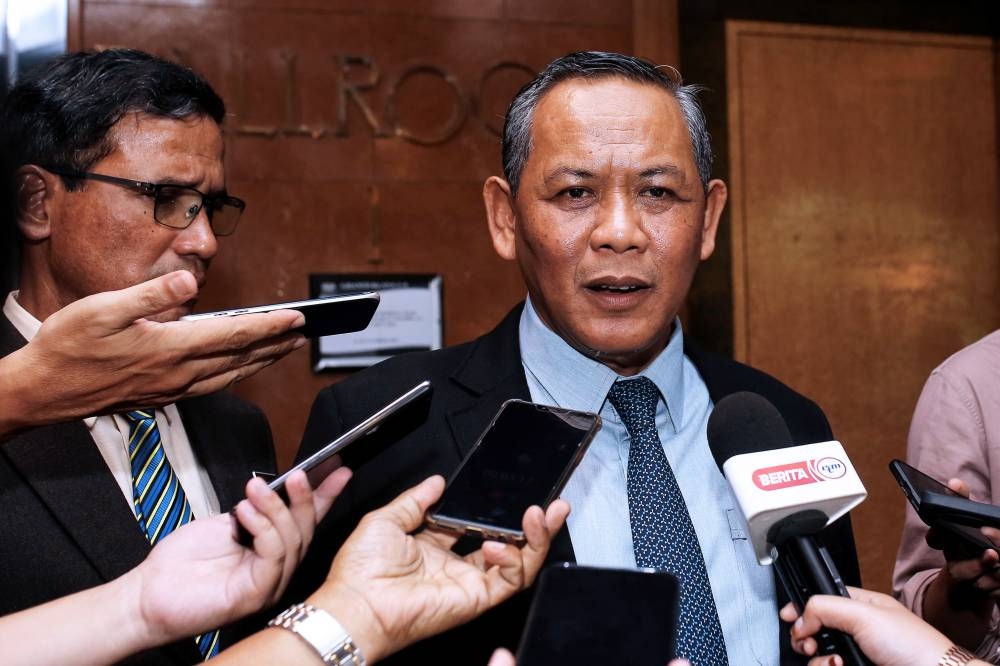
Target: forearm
<point>95,626</point>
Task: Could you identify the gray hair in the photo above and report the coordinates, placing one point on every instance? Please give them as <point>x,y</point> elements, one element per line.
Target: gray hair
<point>597,65</point>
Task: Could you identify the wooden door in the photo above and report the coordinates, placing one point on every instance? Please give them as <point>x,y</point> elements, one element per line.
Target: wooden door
<point>865,228</point>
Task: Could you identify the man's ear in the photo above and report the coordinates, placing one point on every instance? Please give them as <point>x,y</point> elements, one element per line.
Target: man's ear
<point>715,202</point>
<point>34,188</point>
<point>500,216</point>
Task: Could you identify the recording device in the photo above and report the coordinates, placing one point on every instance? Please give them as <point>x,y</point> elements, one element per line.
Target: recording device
<point>321,464</point>
<point>788,494</point>
<point>946,511</point>
<point>524,457</point>
<point>333,315</point>
<point>589,615</point>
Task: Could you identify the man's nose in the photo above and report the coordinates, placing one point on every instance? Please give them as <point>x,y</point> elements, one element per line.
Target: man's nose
<point>198,238</point>
<point>619,226</point>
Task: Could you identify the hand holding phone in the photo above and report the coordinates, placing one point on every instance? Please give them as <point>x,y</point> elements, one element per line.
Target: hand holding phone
<point>956,518</point>
<point>323,463</point>
<point>524,458</point>
<point>334,315</point>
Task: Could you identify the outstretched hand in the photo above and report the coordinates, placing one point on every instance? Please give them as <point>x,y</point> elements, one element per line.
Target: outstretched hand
<point>107,353</point>
<point>199,578</point>
<point>402,587</point>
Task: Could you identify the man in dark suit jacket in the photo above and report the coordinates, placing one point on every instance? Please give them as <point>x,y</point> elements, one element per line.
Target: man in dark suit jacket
<point>116,162</point>
<point>608,207</point>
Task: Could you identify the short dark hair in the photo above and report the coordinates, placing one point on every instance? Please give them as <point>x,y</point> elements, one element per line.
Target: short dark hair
<point>597,65</point>
<point>59,114</point>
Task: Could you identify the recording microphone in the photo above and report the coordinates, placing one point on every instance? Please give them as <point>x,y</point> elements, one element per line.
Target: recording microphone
<point>787,494</point>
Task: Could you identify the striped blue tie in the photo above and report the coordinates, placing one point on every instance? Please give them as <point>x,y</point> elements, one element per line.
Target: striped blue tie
<point>662,532</point>
<point>160,503</point>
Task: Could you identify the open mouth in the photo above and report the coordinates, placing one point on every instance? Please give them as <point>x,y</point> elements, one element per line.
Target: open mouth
<point>625,289</point>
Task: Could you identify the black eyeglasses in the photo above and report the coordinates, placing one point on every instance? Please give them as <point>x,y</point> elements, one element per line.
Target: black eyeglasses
<point>177,206</point>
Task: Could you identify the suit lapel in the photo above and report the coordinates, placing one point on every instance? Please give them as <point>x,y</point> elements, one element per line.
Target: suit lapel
<point>201,417</point>
<point>62,465</point>
<point>10,339</point>
<point>491,374</point>
<point>719,382</point>
<point>64,468</point>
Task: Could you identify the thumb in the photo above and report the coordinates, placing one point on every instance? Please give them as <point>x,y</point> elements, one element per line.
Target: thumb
<point>120,308</point>
<point>408,509</point>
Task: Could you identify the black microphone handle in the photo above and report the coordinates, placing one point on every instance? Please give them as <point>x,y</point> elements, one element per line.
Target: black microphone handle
<point>804,569</point>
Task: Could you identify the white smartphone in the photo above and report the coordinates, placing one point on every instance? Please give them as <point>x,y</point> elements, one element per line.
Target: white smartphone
<point>324,316</point>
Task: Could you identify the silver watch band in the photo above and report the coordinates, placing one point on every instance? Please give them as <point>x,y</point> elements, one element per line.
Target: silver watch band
<point>956,656</point>
<point>322,632</point>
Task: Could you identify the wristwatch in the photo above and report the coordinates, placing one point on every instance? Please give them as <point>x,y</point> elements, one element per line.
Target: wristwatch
<point>956,656</point>
<point>321,631</point>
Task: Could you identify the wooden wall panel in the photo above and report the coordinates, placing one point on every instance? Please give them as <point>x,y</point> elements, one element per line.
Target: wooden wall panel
<point>866,246</point>
<point>363,199</point>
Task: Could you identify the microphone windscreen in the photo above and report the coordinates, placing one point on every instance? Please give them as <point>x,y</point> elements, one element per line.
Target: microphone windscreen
<point>745,422</point>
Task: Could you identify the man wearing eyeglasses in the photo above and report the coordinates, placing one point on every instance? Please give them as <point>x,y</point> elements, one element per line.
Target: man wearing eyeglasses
<point>118,178</point>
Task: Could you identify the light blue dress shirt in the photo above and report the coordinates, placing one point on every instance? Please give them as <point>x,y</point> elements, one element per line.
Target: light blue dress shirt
<point>599,524</point>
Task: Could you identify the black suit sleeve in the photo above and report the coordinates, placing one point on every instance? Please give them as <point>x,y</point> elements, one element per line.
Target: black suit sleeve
<point>324,425</point>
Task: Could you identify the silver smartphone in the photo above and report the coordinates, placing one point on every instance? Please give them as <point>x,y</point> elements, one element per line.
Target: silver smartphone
<point>524,458</point>
<point>332,315</point>
<point>320,464</point>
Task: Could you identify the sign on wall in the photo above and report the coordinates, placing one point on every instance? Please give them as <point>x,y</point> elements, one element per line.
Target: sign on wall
<point>408,319</point>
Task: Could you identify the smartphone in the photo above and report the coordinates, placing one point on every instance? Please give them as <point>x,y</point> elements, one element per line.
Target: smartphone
<point>321,464</point>
<point>943,509</point>
<point>524,458</point>
<point>590,615</point>
<point>333,315</point>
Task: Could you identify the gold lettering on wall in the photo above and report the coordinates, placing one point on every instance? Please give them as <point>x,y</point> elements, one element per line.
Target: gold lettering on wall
<point>357,77</point>
<point>349,90</point>
<point>487,75</point>
<point>293,124</point>
<point>450,128</point>
<point>240,58</point>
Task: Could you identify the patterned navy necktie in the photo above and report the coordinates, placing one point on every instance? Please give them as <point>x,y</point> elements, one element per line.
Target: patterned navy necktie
<point>662,533</point>
<point>160,503</point>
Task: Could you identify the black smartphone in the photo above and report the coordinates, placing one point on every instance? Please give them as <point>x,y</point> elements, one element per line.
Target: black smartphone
<point>524,458</point>
<point>943,509</point>
<point>589,615</point>
<point>321,464</point>
<point>344,313</point>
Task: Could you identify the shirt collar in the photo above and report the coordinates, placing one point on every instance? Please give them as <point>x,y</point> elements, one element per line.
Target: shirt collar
<point>21,319</point>
<point>577,381</point>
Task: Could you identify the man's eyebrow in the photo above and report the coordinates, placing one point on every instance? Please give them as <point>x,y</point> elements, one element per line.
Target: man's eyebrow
<point>663,170</point>
<point>175,180</point>
<point>560,172</point>
<point>190,183</point>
